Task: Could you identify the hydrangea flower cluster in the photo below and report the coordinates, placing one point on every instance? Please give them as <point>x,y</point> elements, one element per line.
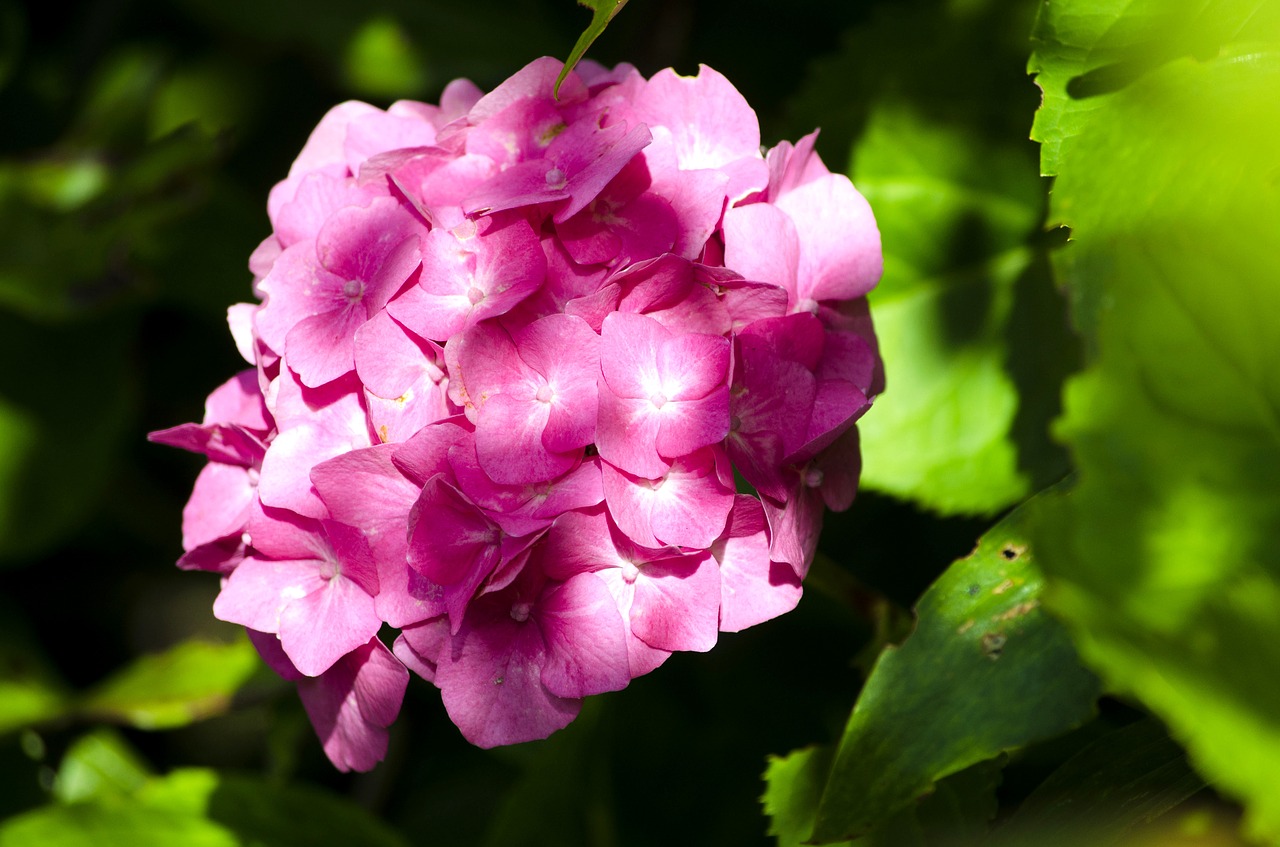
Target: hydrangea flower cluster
<point>516,357</point>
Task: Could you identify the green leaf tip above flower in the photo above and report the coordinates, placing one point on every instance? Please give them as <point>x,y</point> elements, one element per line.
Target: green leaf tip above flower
<point>602,11</point>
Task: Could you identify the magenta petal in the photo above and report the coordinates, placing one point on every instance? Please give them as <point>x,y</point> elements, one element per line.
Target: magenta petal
<point>318,629</point>
<point>419,646</point>
<point>509,442</point>
<point>258,591</point>
<point>753,589</point>
<point>677,604</point>
<point>794,528</point>
<point>586,645</point>
<point>449,537</point>
<point>491,679</point>
<point>219,504</point>
<point>426,454</point>
<point>840,255</point>
<point>353,703</point>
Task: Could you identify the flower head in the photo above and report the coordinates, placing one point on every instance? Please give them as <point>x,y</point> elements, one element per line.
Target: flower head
<point>514,358</point>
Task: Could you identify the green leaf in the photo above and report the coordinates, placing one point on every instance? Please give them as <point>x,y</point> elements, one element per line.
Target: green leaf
<point>1085,50</point>
<point>383,61</point>
<point>985,671</point>
<point>192,681</point>
<point>972,335</point>
<point>99,766</point>
<point>1164,558</point>
<point>262,812</point>
<point>96,825</point>
<point>957,813</point>
<point>602,11</point>
<point>1128,777</point>
<point>31,691</point>
<point>793,787</point>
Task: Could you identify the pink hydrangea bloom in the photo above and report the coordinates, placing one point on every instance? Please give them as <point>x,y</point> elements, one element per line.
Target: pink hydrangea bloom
<point>555,387</point>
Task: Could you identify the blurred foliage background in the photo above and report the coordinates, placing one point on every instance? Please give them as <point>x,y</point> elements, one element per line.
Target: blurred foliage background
<point>140,139</point>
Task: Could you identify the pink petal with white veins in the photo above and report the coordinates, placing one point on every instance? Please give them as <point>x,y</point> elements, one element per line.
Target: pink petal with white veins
<point>509,441</point>
<point>697,197</point>
<point>469,274</point>
<point>259,590</point>
<point>369,135</point>
<point>390,360</point>
<point>586,642</point>
<point>321,627</point>
<point>710,122</point>
<point>565,351</point>
<point>688,507</point>
<point>286,468</point>
<point>626,432</point>
<point>677,604</point>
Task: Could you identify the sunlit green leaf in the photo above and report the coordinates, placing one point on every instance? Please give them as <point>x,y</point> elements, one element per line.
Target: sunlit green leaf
<point>602,11</point>
<point>192,681</point>
<point>957,812</point>
<point>793,787</point>
<point>1164,557</point>
<point>985,671</point>
<point>99,766</point>
<point>973,338</point>
<point>96,825</point>
<point>263,812</point>
<point>1087,49</point>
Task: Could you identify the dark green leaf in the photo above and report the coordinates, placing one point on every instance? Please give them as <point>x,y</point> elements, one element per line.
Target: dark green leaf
<point>192,681</point>
<point>985,671</point>
<point>602,11</point>
<point>957,813</point>
<point>561,796</point>
<point>1130,776</point>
